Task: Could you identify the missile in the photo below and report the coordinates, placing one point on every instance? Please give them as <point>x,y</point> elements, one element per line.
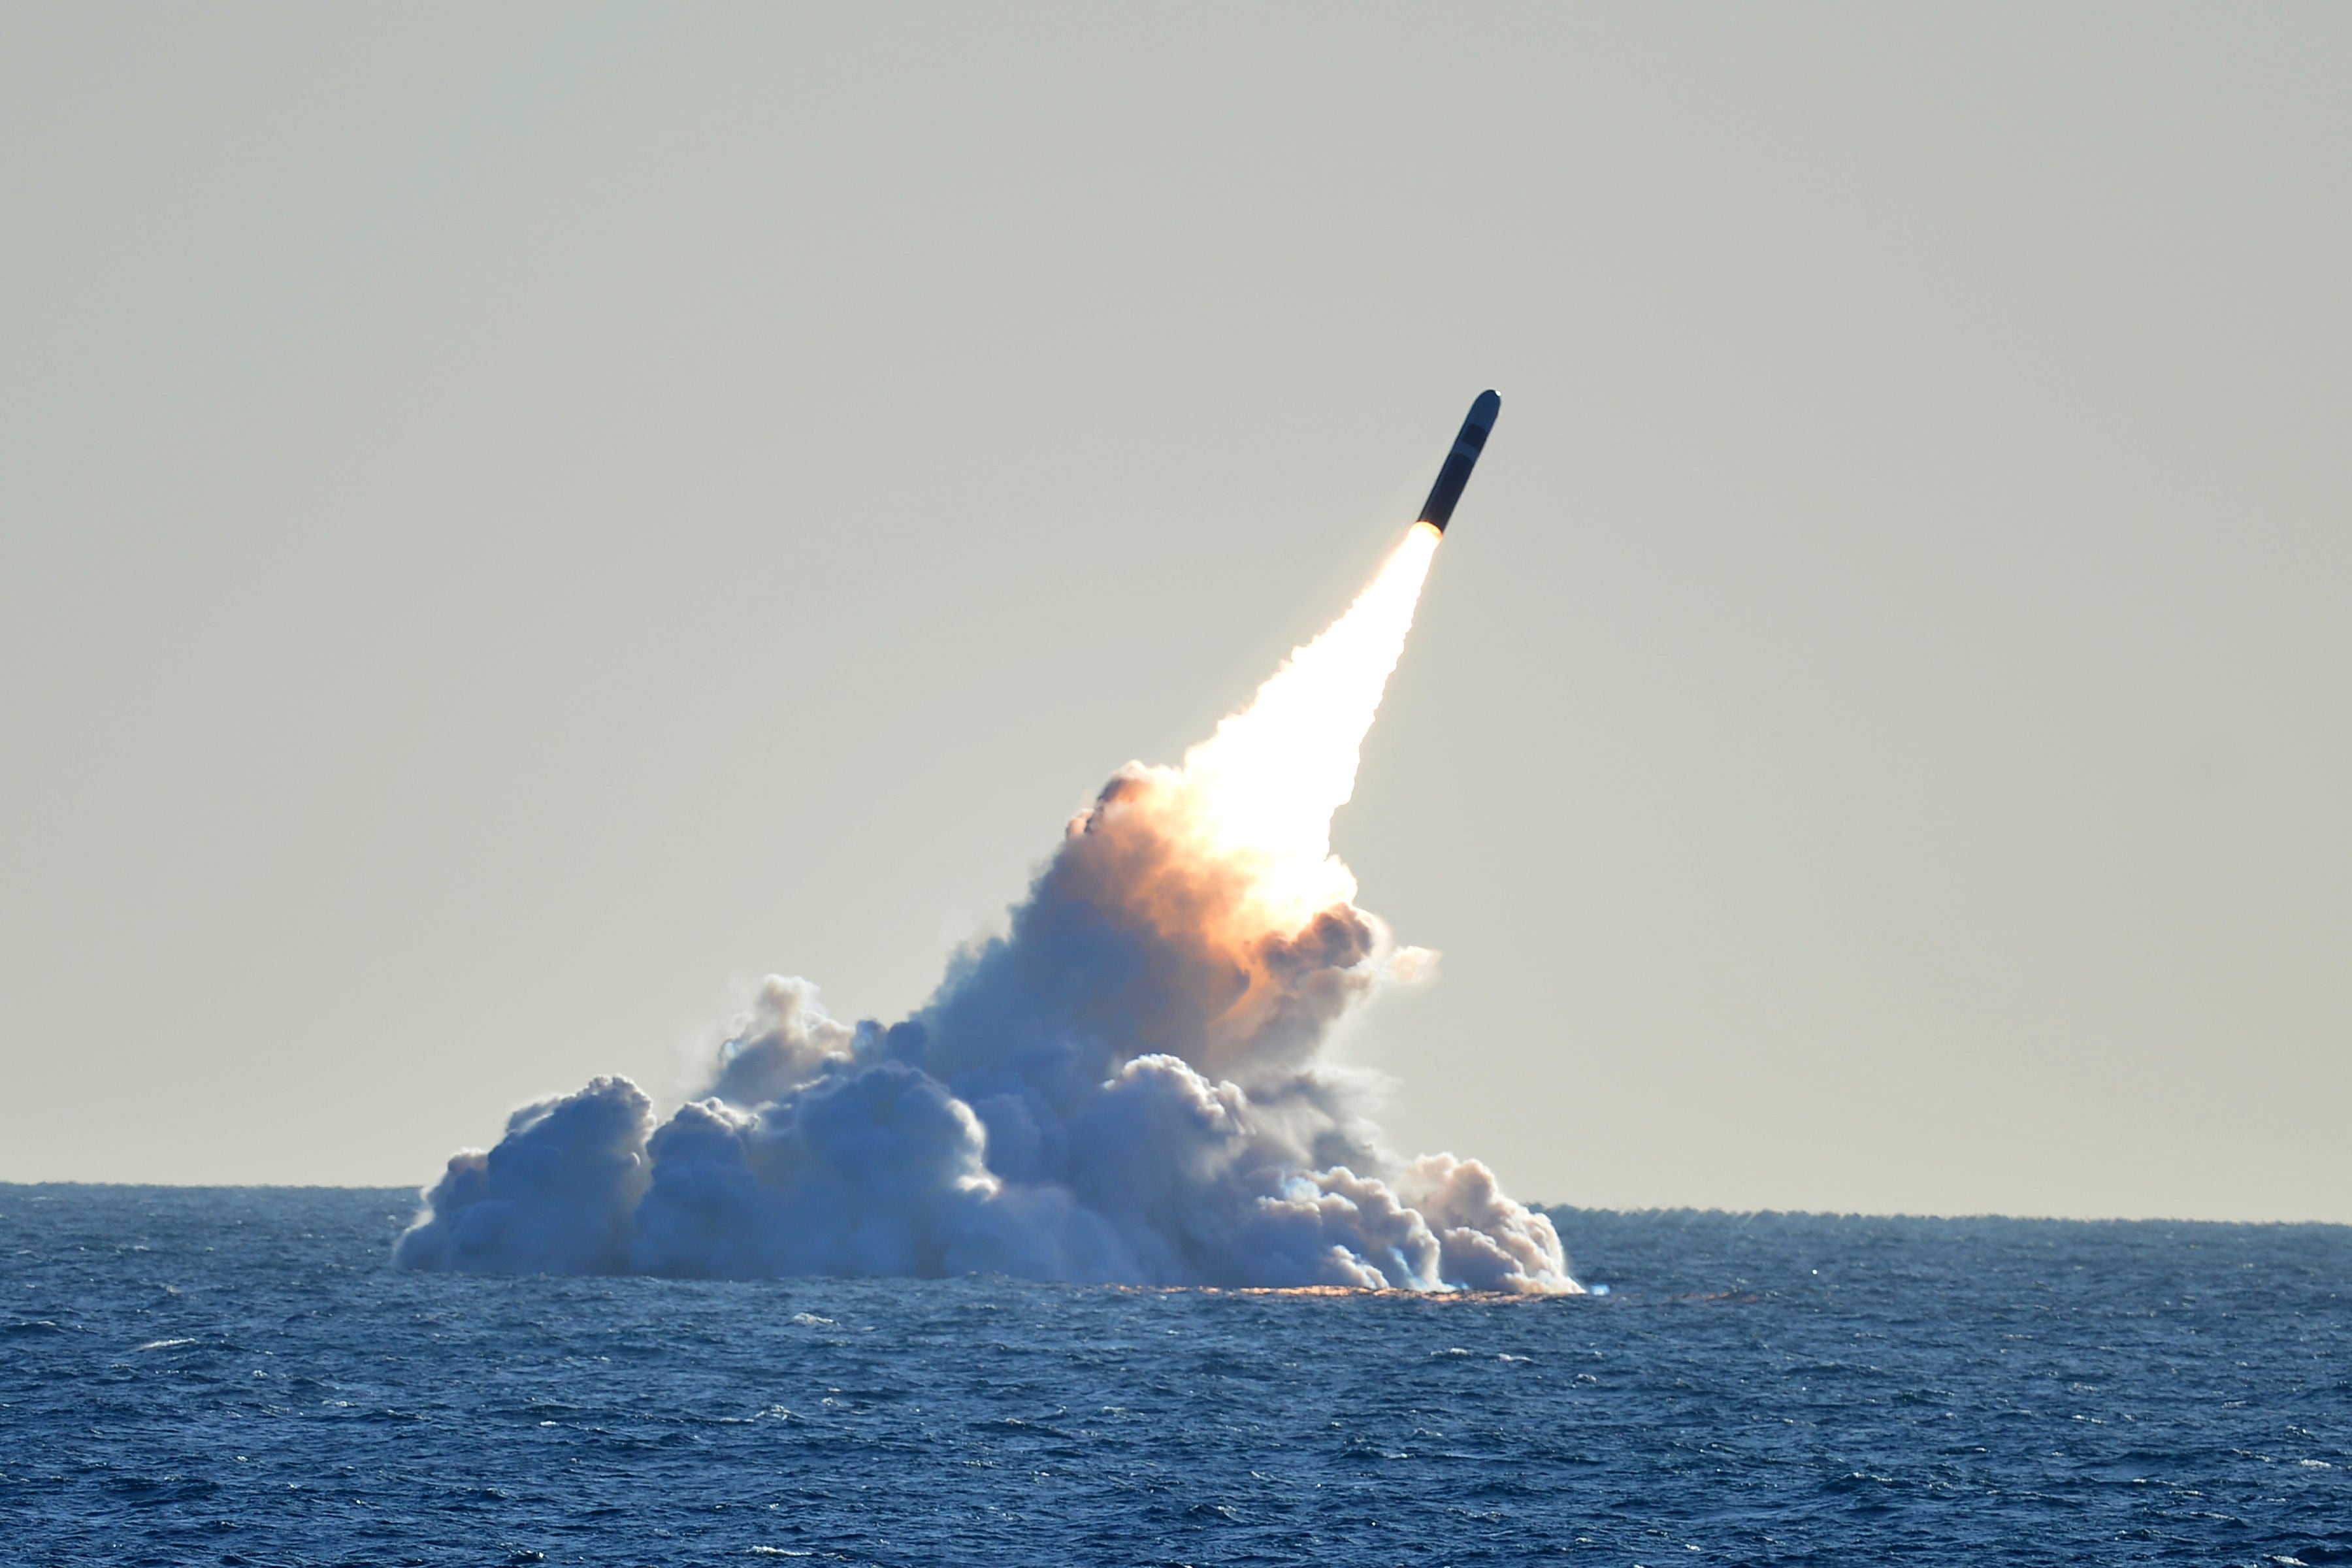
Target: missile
<point>1439,511</point>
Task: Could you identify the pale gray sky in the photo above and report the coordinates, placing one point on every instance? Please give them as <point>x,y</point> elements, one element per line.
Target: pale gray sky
<point>519,521</point>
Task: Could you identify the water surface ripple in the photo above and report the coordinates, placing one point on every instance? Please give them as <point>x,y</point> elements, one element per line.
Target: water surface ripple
<point>235,1376</point>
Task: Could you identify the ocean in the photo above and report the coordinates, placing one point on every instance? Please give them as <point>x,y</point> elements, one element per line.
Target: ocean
<point>236,1375</point>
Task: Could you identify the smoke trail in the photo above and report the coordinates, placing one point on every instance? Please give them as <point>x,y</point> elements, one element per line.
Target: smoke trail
<point>1127,1086</point>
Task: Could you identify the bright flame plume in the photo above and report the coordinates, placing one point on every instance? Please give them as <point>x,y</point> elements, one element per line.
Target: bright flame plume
<point>1264,787</point>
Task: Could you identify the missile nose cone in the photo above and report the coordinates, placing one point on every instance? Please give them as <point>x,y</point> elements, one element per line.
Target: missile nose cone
<point>1471,441</point>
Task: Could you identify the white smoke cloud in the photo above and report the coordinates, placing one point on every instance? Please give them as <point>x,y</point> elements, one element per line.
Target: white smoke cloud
<point>1128,1086</point>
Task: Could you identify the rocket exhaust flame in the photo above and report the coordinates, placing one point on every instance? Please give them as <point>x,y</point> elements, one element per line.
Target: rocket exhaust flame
<point>1266,783</point>
<point>1126,1087</point>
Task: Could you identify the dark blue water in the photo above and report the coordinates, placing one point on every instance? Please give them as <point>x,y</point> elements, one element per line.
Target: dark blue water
<point>235,1376</point>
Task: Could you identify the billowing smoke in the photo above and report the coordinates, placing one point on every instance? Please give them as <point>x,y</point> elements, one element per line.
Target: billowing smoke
<point>1127,1086</point>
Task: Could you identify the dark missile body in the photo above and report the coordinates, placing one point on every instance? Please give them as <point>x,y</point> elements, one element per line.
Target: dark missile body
<point>1439,511</point>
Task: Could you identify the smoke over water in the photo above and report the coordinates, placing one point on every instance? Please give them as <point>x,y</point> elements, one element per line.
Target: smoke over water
<point>1126,1087</point>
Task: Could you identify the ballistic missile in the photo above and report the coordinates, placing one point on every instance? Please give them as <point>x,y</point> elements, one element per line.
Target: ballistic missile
<point>1439,511</point>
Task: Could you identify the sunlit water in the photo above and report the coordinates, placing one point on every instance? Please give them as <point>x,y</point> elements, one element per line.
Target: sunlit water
<point>235,1376</point>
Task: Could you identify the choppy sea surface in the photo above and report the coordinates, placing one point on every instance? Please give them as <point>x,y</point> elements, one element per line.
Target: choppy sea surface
<point>195,1375</point>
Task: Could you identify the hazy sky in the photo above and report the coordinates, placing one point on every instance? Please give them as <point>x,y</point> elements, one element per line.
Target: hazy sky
<point>518,522</point>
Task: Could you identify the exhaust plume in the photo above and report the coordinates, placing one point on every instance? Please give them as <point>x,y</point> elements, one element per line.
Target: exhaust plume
<point>1126,1087</point>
